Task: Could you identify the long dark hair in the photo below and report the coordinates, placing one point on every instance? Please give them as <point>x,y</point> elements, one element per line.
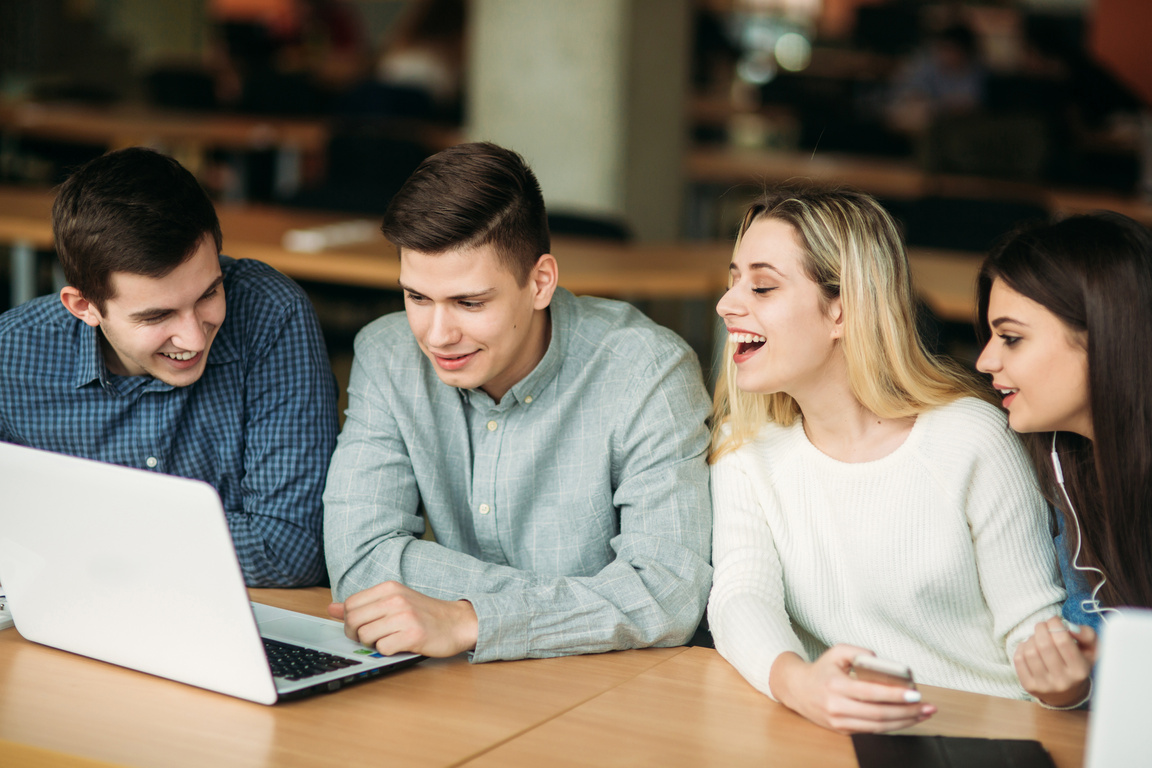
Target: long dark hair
<point>1094,272</point>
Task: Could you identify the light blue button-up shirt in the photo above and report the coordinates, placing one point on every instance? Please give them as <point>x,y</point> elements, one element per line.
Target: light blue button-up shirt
<point>574,514</point>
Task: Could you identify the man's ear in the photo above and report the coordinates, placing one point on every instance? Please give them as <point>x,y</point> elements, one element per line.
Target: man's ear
<point>543,279</point>
<point>836,315</point>
<point>79,306</point>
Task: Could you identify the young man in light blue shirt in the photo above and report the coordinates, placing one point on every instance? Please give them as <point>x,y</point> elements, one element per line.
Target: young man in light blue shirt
<point>554,444</point>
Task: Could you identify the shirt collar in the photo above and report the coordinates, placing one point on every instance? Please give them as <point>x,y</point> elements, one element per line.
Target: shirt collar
<point>90,367</point>
<point>528,388</point>
<point>89,357</point>
<point>225,347</point>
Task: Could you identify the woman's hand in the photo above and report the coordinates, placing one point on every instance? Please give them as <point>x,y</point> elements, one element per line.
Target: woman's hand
<point>823,692</point>
<point>1055,664</point>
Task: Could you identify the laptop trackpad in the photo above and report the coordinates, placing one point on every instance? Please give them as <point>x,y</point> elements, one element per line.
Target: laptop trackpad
<point>318,633</point>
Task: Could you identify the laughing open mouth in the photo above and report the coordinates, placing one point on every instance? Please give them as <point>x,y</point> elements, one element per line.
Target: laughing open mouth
<point>746,342</point>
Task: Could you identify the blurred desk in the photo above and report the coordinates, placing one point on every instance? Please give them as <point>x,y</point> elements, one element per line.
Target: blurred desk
<point>725,166</point>
<point>133,125</point>
<point>692,270</point>
<point>587,266</point>
<point>61,709</point>
<point>189,136</point>
<point>946,281</point>
<point>658,270</point>
<point>1067,202</point>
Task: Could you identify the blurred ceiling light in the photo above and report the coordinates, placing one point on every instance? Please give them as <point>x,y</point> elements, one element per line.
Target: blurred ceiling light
<point>793,51</point>
<point>804,9</point>
<point>757,68</point>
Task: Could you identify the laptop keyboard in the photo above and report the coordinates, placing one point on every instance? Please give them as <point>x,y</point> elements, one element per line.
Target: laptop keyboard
<point>294,662</point>
<point>5,614</point>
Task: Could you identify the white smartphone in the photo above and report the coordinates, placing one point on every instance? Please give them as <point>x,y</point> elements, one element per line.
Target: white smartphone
<point>876,670</point>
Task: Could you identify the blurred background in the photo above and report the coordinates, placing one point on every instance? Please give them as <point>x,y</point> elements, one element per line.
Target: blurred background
<point>650,123</point>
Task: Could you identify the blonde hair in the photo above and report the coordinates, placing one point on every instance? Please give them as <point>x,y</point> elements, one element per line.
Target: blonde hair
<point>854,251</point>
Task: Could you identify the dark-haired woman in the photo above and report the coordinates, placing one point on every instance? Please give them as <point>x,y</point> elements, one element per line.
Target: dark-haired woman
<point>1067,308</point>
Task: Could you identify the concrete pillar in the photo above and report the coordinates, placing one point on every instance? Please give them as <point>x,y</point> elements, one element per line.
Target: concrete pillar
<point>592,93</point>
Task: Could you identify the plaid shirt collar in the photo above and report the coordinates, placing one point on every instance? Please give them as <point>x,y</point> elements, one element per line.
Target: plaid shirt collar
<point>90,365</point>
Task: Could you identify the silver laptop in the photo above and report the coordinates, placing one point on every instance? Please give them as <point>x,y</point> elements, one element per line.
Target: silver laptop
<point>1118,732</point>
<point>138,569</point>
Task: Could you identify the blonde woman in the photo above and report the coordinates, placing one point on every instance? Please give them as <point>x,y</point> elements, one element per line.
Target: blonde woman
<point>867,497</point>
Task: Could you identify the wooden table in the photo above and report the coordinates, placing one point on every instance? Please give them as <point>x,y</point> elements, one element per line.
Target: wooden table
<point>722,166</point>
<point>125,125</point>
<point>654,707</point>
<point>189,136</point>
<point>299,142</point>
<point>1070,201</point>
<point>659,270</point>
<point>695,270</point>
<point>59,708</point>
<point>946,280</point>
<point>587,266</point>
<point>733,166</point>
<point>695,709</point>
<point>132,125</point>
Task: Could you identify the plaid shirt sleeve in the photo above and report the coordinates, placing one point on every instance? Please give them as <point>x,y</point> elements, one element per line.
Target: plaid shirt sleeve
<point>289,434</point>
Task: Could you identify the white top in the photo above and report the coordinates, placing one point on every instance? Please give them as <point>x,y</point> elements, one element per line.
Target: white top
<point>938,555</point>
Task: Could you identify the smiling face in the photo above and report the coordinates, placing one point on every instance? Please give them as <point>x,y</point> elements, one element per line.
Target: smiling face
<point>472,318</point>
<point>783,330</point>
<point>1038,364</point>
<point>160,326</point>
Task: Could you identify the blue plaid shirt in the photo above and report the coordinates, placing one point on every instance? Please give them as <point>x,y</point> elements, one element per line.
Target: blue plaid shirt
<point>259,425</point>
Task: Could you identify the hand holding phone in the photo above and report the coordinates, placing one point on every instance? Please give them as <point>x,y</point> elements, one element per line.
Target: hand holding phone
<point>832,691</point>
<point>874,669</point>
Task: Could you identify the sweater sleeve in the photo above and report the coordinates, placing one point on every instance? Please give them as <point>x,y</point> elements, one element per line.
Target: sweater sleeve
<point>1008,519</point>
<point>746,610</point>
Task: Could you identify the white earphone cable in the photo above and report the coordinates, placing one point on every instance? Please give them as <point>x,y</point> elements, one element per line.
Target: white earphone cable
<point>1091,604</point>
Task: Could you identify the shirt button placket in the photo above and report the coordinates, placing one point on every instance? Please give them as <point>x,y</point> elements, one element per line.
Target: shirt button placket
<point>484,509</point>
<point>484,490</point>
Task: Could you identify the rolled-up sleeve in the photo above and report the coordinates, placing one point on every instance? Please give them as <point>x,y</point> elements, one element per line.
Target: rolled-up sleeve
<point>601,536</point>
<point>653,593</point>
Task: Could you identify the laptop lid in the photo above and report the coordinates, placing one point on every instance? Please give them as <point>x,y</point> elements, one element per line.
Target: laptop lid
<point>1118,732</point>
<point>138,569</point>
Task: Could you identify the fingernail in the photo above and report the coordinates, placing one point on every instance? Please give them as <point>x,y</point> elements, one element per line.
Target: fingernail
<point>927,710</point>
<point>911,696</point>
<point>1073,627</point>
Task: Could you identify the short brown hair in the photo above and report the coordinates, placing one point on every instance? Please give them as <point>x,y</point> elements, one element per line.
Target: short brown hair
<point>133,210</point>
<point>468,196</point>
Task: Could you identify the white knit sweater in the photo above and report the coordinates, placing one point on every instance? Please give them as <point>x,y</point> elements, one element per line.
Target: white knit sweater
<point>938,555</point>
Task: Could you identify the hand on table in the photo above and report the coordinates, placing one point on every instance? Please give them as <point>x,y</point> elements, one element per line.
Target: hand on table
<point>1055,664</point>
<point>393,618</point>
<point>823,692</point>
